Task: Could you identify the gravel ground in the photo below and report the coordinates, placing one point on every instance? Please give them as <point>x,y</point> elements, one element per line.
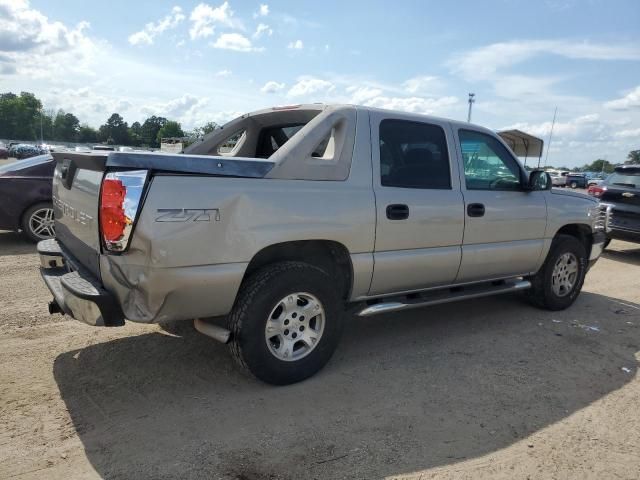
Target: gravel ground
<point>489,388</point>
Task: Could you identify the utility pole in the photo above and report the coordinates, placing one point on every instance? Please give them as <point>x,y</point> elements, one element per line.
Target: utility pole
<point>550,136</point>
<point>41,134</point>
<point>471,102</point>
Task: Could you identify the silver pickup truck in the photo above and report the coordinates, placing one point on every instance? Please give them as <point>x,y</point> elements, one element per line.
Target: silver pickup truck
<point>286,218</point>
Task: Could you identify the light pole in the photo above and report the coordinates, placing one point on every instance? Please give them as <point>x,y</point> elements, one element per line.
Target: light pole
<point>471,102</point>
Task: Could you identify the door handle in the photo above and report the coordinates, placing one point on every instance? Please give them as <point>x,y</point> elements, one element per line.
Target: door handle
<point>475,210</point>
<point>397,211</point>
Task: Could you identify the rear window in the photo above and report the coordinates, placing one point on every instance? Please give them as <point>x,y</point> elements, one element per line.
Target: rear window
<point>272,138</point>
<point>631,179</point>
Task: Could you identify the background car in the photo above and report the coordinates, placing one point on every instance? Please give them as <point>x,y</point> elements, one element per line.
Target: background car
<point>25,197</point>
<point>576,180</point>
<point>621,190</point>
<point>557,180</point>
<point>22,150</point>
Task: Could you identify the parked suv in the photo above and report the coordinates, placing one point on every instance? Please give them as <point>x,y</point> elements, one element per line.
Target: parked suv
<point>285,216</point>
<point>621,193</point>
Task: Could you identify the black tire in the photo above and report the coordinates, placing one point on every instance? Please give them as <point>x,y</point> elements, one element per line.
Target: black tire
<point>574,185</point>
<point>606,243</point>
<point>27,225</point>
<point>259,295</point>
<point>541,293</point>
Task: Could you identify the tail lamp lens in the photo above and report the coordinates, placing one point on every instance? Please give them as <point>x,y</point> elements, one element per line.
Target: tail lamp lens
<point>596,191</point>
<point>120,197</point>
<point>112,218</point>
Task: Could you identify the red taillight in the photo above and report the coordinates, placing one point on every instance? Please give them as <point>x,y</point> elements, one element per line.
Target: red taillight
<point>596,191</point>
<point>113,220</point>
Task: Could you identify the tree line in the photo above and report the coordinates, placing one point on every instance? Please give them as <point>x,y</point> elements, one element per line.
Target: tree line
<point>23,118</point>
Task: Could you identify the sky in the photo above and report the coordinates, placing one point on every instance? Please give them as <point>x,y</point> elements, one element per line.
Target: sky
<point>196,62</point>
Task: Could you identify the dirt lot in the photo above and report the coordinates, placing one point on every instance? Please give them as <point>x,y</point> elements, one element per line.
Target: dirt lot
<point>485,388</point>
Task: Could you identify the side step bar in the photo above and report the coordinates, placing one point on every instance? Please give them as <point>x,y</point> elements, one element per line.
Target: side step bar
<point>394,304</point>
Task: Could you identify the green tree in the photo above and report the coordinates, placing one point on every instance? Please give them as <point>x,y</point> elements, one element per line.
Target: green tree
<point>115,129</point>
<point>632,159</point>
<point>19,115</point>
<point>66,126</point>
<point>170,129</point>
<point>599,165</point>
<point>87,134</point>
<point>150,129</point>
<point>135,134</point>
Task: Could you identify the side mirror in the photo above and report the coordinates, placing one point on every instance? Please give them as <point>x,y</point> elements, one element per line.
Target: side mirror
<point>539,180</point>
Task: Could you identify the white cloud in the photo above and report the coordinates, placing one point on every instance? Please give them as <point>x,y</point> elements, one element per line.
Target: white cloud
<point>483,62</point>
<point>151,29</point>
<point>223,73</point>
<point>359,95</point>
<point>235,41</point>
<point>421,84</point>
<point>28,40</point>
<point>309,86</point>
<point>427,106</point>
<point>263,11</point>
<point>584,127</point>
<point>204,19</point>
<point>629,101</point>
<point>632,133</point>
<point>262,29</point>
<point>272,87</point>
<point>297,45</point>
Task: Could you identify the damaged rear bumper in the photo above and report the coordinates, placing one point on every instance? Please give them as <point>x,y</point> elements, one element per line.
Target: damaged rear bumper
<point>76,292</point>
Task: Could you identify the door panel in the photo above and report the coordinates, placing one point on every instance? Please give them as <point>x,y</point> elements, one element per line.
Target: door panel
<point>424,249</point>
<point>404,270</point>
<point>507,239</point>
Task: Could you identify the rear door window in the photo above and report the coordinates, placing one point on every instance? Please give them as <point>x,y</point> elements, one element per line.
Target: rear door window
<point>413,155</point>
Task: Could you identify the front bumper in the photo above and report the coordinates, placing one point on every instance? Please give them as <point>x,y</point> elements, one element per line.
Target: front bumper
<point>597,246</point>
<point>76,291</point>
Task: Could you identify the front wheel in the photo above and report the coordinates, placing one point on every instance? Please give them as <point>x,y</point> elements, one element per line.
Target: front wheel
<point>286,322</point>
<point>559,282</point>
<point>574,185</point>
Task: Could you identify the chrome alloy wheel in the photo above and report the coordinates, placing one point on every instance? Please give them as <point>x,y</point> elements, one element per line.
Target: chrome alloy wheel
<point>41,223</point>
<point>565,274</point>
<point>295,326</point>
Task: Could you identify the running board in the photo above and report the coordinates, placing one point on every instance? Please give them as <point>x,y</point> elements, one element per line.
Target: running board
<point>435,297</point>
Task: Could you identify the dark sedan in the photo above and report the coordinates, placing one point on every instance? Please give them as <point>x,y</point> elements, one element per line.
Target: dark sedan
<point>25,197</point>
<point>621,190</point>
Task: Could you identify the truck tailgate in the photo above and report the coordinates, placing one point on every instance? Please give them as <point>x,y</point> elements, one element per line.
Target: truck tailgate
<point>76,192</point>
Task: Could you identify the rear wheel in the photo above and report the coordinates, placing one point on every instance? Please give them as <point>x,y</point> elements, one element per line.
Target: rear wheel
<point>286,322</point>
<point>558,283</point>
<point>37,222</point>
<point>573,184</point>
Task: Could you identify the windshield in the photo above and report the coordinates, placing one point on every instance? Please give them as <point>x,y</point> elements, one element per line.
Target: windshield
<point>625,179</point>
<point>22,164</point>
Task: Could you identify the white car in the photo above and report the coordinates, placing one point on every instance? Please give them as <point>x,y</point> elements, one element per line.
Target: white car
<point>558,180</point>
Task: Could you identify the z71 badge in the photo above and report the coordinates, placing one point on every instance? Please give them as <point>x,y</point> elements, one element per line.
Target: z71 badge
<point>188,215</point>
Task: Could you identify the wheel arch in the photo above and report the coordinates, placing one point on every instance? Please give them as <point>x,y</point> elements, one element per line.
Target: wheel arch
<point>331,256</point>
<point>580,231</point>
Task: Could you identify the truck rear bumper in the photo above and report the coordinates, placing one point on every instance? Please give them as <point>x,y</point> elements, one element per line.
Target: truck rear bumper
<point>76,291</point>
